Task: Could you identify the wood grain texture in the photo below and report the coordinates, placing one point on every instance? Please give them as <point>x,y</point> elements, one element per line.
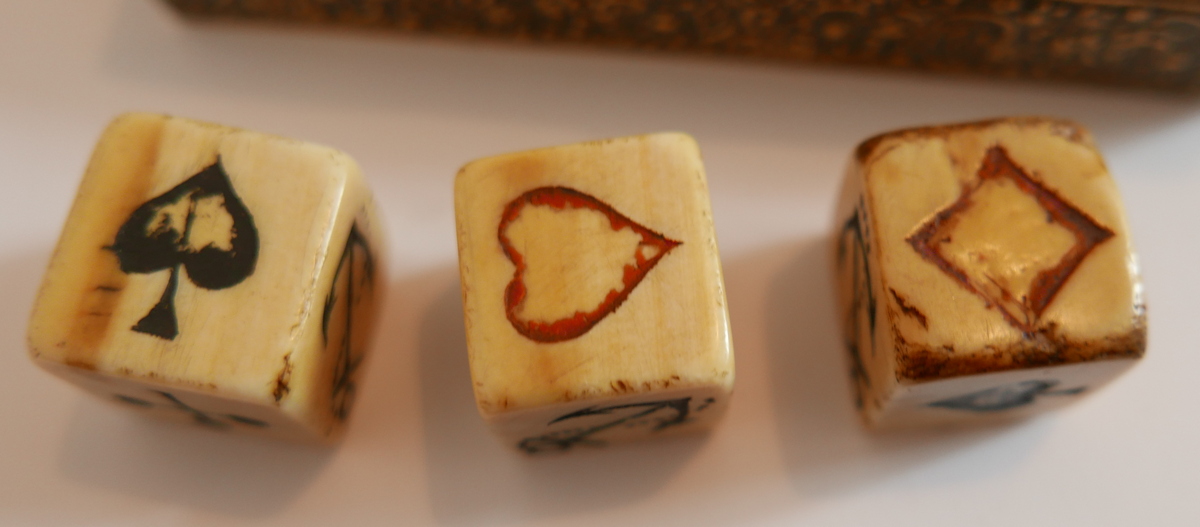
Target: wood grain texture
<point>1144,43</point>
<point>592,291</point>
<point>964,251</point>
<point>199,273</point>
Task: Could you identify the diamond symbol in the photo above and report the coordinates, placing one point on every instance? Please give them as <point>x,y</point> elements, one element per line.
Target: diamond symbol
<point>1009,240</point>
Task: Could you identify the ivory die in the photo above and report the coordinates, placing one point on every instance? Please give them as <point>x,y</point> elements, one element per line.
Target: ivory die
<point>592,292</point>
<point>984,270</point>
<point>216,276</point>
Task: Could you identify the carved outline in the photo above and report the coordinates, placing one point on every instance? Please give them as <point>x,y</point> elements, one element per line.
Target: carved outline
<point>569,328</point>
<point>1088,234</point>
<point>144,248</point>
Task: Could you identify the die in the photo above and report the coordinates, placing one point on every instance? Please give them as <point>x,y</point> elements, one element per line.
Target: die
<point>984,271</point>
<point>216,276</point>
<point>594,305</point>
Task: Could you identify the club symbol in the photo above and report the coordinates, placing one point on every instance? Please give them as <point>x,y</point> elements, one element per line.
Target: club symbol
<point>200,225</point>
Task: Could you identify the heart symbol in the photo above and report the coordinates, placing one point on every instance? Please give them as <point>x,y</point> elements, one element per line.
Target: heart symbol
<point>650,248</point>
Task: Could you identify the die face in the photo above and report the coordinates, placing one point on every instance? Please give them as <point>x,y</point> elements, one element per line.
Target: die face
<point>991,246</point>
<point>191,264</point>
<point>589,272</point>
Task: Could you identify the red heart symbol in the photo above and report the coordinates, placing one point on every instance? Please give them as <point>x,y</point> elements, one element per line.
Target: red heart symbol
<point>567,328</point>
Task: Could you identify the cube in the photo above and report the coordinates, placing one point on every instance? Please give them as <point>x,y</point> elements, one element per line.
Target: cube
<point>984,271</point>
<point>216,276</point>
<point>592,292</point>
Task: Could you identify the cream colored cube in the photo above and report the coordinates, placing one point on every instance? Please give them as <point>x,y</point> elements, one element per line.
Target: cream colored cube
<point>984,270</point>
<point>217,276</point>
<point>595,309</point>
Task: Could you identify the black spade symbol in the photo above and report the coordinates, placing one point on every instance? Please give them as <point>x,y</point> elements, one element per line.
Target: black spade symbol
<point>200,225</point>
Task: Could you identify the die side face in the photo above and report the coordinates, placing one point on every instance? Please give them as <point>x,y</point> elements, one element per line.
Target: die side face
<point>980,248</point>
<point>348,316</point>
<point>562,427</point>
<point>592,292</point>
<point>191,270</point>
<point>1000,395</point>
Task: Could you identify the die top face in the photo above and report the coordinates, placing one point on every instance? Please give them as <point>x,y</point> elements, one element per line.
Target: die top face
<point>590,270</point>
<point>192,257</point>
<point>999,245</point>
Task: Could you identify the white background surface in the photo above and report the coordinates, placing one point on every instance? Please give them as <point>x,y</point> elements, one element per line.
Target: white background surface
<point>412,110</point>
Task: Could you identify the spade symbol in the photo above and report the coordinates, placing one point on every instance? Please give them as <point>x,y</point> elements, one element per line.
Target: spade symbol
<point>200,225</point>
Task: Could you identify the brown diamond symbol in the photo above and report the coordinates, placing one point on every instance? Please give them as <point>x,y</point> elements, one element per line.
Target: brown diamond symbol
<point>1009,240</point>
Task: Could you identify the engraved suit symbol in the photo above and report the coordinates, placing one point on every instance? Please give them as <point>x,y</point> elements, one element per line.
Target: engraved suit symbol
<point>200,225</point>
<point>1010,240</point>
<point>542,233</point>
